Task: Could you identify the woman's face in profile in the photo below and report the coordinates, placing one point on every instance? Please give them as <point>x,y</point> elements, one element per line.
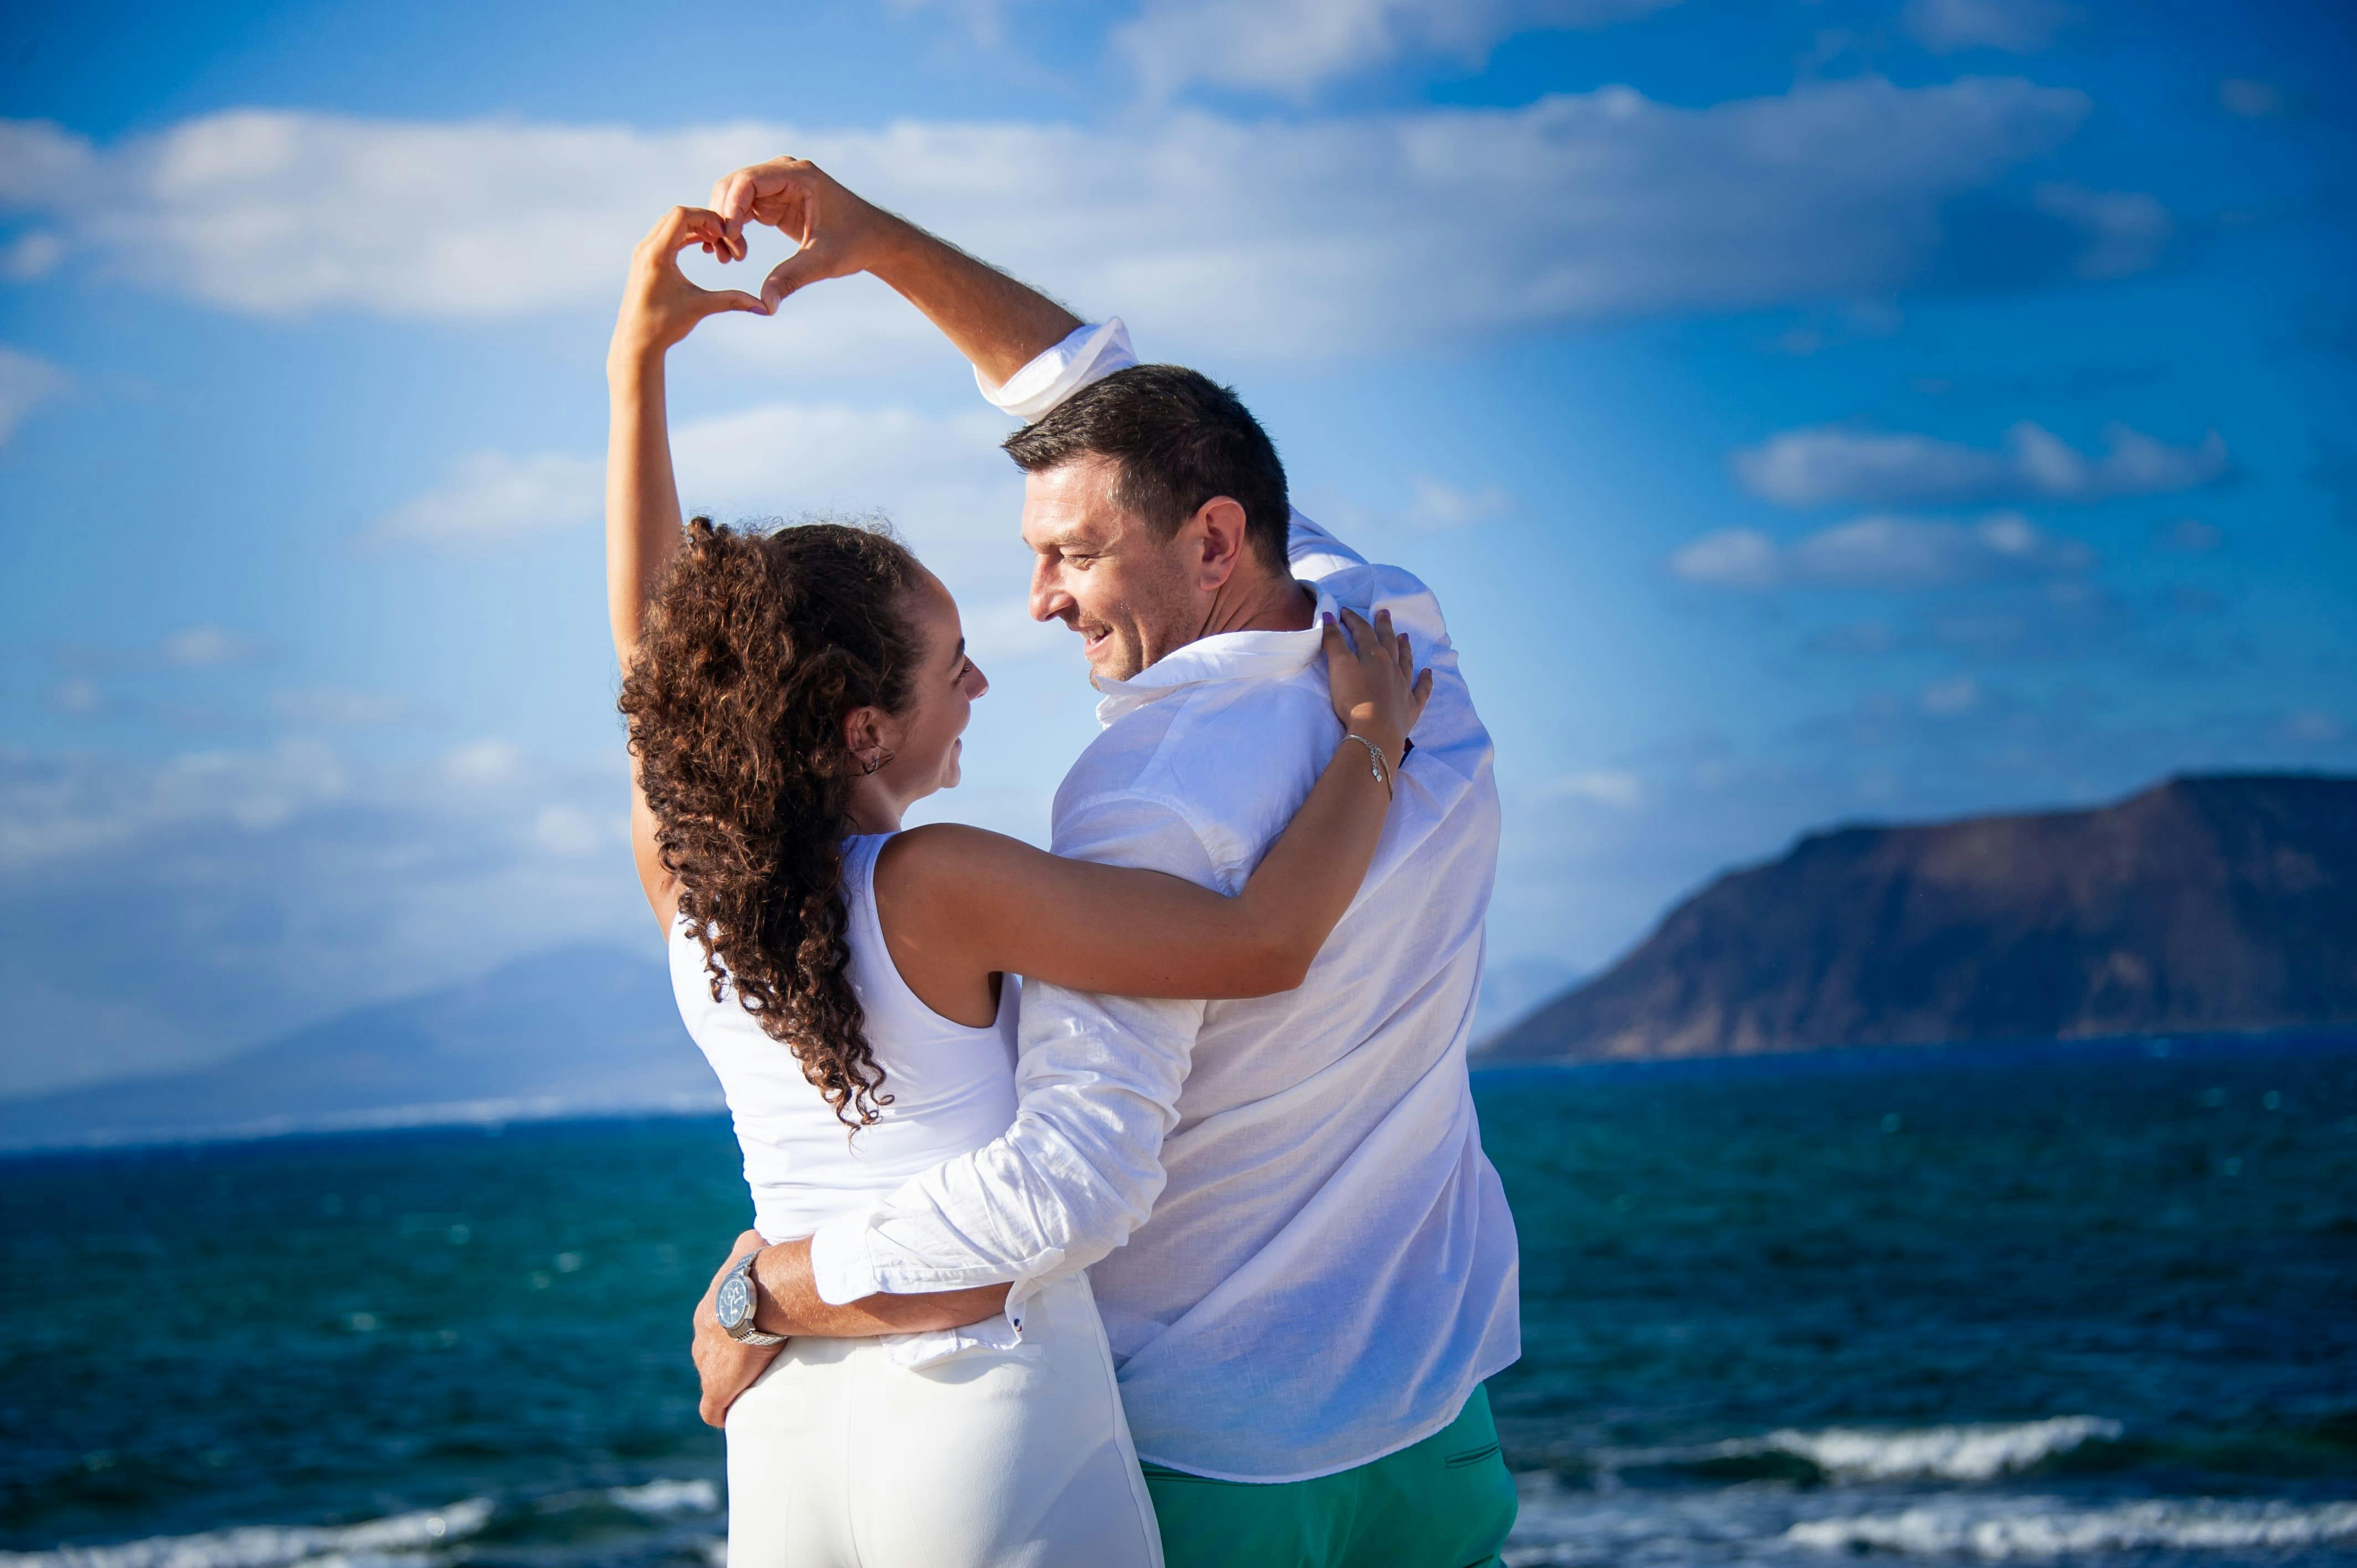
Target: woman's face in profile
<point>942,696</point>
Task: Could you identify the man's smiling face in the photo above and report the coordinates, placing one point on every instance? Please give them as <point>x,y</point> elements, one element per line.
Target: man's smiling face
<point>1102,572</point>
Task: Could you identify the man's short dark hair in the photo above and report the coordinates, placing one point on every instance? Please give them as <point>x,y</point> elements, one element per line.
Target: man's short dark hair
<point>1178,438</point>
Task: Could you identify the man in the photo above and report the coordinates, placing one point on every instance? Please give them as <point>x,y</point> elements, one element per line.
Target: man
<point>1305,1262</point>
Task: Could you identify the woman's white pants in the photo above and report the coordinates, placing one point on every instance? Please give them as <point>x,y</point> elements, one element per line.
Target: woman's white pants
<point>840,1459</point>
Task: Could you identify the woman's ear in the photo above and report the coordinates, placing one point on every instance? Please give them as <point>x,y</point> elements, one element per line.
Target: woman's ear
<point>870,733</point>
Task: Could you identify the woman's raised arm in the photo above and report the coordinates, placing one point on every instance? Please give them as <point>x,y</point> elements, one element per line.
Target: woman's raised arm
<point>1002,905</point>
<point>659,308</point>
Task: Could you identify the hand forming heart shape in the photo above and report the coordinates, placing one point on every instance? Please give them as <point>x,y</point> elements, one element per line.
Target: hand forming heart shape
<point>836,233</point>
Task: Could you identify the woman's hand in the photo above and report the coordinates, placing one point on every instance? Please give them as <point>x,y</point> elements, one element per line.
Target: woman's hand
<point>660,306</point>
<point>726,1367</point>
<point>1372,676</point>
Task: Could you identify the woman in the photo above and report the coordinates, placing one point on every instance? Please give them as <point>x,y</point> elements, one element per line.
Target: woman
<point>790,695</point>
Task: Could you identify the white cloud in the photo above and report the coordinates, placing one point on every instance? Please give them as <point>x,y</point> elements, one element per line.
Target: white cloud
<point>2125,231</point>
<point>1294,46</point>
<point>1435,505</point>
<point>2015,27</point>
<point>2186,536</point>
<point>203,646</point>
<point>483,764</point>
<point>1943,699</point>
<point>2252,99</point>
<point>1267,239</point>
<point>337,707</point>
<point>491,498</point>
<point>571,832</point>
<point>1829,464</point>
<point>1891,553</point>
<point>26,381</point>
<point>1731,558</point>
<point>33,255</point>
<point>1616,786</point>
<point>259,891</point>
<point>77,694</point>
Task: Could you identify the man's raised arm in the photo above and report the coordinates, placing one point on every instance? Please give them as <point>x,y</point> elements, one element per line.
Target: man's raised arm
<point>999,324</point>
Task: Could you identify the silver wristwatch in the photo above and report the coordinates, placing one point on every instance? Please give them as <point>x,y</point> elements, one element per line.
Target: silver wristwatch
<point>737,1301</point>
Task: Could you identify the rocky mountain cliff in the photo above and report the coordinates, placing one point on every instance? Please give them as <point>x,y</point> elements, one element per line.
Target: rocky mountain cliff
<point>2206,903</point>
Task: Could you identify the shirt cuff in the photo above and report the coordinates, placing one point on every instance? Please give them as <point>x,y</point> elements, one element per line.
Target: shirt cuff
<point>1089,354</point>
<point>841,1267</point>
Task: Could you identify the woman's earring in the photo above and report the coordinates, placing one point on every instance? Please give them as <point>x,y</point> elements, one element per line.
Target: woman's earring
<point>882,758</point>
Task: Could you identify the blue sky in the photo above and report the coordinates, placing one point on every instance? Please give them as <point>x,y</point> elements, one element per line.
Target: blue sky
<point>1807,412</point>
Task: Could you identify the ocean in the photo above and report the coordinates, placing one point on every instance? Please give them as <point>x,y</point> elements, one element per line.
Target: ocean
<point>2070,1303</point>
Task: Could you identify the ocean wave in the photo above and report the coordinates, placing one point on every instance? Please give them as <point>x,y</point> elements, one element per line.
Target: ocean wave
<point>1783,1527</point>
<point>1977,1451</point>
<point>2041,1526</point>
<point>398,1539</point>
<point>659,1500</point>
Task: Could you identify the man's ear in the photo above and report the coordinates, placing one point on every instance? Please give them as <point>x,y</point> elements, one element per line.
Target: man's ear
<point>1215,536</point>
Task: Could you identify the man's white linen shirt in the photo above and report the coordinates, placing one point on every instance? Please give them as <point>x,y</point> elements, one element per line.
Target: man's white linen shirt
<point>1304,1260</point>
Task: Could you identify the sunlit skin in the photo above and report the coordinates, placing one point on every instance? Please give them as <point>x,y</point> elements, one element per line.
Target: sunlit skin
<point>920,748</point>
<point>1132,597</point>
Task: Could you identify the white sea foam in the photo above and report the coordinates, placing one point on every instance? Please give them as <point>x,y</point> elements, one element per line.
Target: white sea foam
<point>1973,1452</point>
<point>1768,1525</point>
<point>399,1539</point>
<point>2047,1527</point>
<point>659,1500</point>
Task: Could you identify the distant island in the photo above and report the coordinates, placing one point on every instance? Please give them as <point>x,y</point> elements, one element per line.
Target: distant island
<point>2216,902</point>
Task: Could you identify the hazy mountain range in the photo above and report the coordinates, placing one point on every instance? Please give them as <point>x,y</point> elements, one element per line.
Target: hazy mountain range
<point>576,1032</point>
<point>2214,903</point>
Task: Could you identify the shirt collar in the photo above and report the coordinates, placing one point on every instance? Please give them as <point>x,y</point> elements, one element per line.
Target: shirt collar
<point>1227,656</point>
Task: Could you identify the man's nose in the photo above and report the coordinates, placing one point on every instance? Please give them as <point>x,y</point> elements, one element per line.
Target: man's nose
<point>1048,599</point>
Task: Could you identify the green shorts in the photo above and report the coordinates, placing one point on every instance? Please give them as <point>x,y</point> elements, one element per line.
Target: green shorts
<point>1446,1502</point>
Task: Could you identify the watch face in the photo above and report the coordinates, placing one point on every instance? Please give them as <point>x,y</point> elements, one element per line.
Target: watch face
<point>736,1303</point>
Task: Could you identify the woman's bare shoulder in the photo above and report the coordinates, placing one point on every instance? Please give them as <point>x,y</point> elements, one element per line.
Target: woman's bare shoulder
<point>940,861</point>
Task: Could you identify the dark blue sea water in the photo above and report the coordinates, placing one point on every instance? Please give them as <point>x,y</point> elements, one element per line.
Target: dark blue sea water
<point>2083,1303</point>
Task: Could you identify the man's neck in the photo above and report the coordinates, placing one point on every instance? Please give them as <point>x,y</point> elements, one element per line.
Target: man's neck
<point>1267,601</point>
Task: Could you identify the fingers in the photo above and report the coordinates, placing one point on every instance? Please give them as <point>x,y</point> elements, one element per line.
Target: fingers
<point>732,199</point>
<point>804,266</point>
<point>717,300</point>
<point>685,226</point>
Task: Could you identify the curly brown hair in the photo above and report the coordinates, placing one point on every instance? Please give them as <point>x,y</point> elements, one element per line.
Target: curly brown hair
<point>756,646</point>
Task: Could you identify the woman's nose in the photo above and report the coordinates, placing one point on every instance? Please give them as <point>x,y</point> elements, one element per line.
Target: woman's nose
<point>978,683</point>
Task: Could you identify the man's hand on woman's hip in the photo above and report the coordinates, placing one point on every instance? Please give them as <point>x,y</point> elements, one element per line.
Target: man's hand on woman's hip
<point>725,1366</point>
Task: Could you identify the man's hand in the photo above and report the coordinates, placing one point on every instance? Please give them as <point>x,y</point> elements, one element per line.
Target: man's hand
<point>726,1367</point>
<point>838,232</point>
<point>660,306</point>
<point>996,323</point>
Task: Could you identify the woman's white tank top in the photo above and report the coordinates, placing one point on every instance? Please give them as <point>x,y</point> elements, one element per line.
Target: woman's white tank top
<point>953,1086</point>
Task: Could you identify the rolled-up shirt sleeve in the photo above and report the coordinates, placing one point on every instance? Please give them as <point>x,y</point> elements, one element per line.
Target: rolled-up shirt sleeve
<point>1090,353</point>
<point>1097,1093</point>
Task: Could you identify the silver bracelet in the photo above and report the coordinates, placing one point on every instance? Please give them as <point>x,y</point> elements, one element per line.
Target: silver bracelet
<point>1381,768</point>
